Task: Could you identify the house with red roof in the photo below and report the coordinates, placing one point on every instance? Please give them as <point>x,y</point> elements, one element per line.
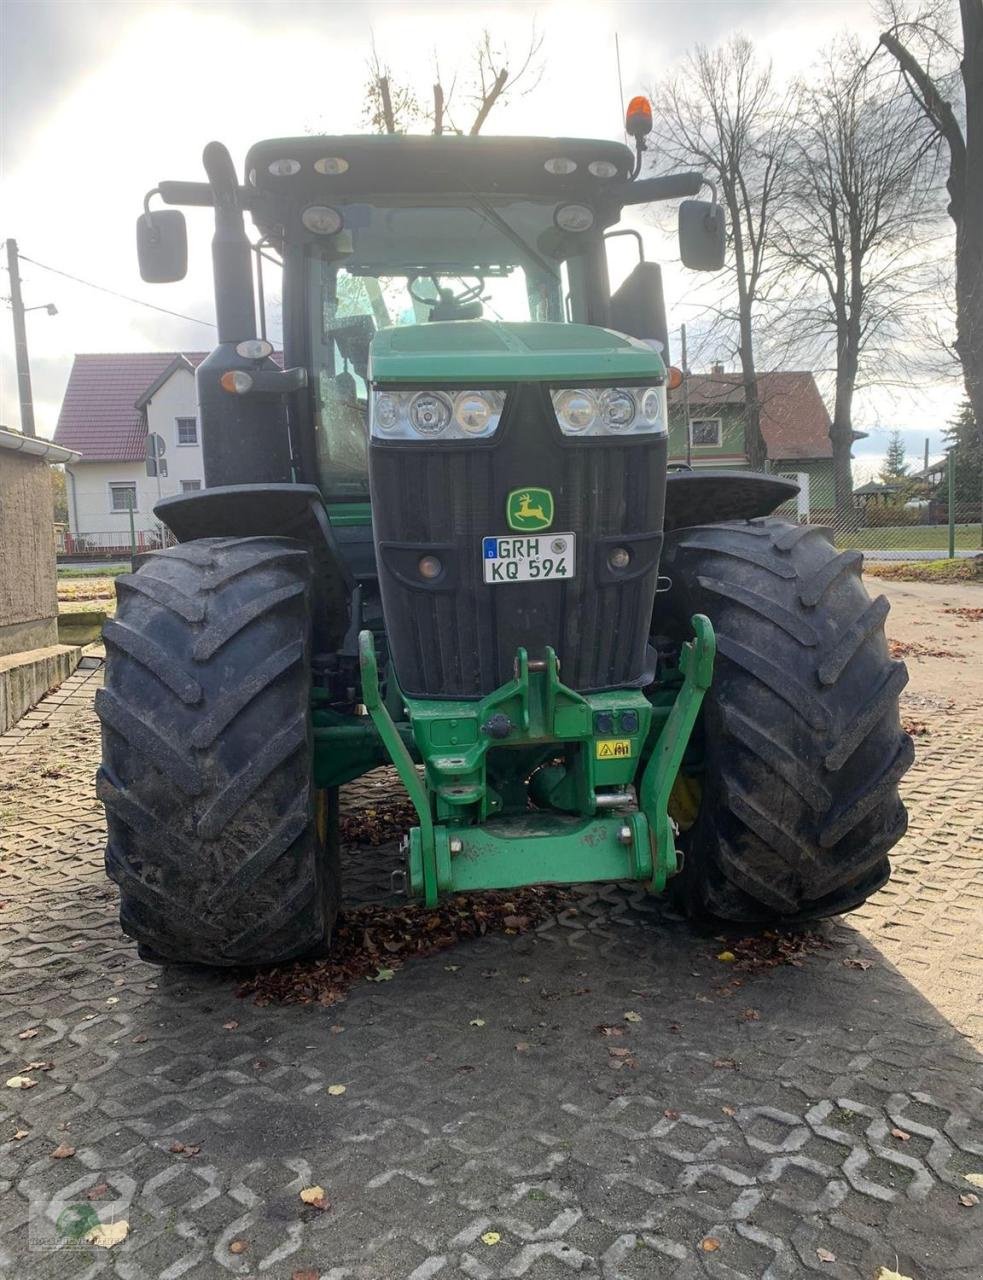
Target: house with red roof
<point>116,405</point>
<point>794,422</point>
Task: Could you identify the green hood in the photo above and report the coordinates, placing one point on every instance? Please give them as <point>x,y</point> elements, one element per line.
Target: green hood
<point>483,352</point>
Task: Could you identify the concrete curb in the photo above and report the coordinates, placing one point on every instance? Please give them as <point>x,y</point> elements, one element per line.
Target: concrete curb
<point>26,677</point>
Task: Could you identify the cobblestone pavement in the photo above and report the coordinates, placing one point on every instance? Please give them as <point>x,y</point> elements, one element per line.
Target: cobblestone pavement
<point>811,1119</point>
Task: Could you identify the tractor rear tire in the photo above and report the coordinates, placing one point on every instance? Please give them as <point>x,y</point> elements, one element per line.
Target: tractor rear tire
<point>801,742</point>
<point>223,852</point>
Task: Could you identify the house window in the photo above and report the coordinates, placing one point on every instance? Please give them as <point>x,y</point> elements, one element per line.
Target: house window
<point>707,433</point>
<point>187,431</point>
<point>190,486</point>
<point>122,497</point>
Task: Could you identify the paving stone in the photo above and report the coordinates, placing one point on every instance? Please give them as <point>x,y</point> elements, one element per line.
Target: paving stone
<point>446,1132</point>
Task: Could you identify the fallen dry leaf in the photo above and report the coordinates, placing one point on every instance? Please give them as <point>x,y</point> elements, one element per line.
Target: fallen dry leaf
<point>360,944</point>
<point>29,1034</point>
<point>900,1135</point>
<point>97,1192</point>
<point>62,1151</point>
<point>336,1090</point>
<point>476,1022</point>
<point>670,1114</point>
<point>824,1255</point>
<point>231,1025</point>
<point>42,1064</point>
<point>885,1273</point>
<point>710,1244</point>
<point>617,1052</point>
<point>631,1016</point>
<point>522,1046</point>
<point>725,1064</point>
<point>382,975</point>
<point>490,1237</point>
<point>238,1246</point>
<point>188,1149</point>
<point>974,1179</point>
<point>305,1273</point>
<point>316,1197</point>
<point>751,1015</point>
<point>912,649</point>
<point>853,962</point>
<point>969,1199</point>
<point>729,1111</point>
<point>139,1040</point>
<point>727,957</point>
<point>609,1031</point>
<point>21,1082</point>
<point>108,1234</point>
<point>20,1134</point>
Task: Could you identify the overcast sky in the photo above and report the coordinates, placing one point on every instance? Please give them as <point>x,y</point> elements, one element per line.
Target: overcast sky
<point>103,99</point>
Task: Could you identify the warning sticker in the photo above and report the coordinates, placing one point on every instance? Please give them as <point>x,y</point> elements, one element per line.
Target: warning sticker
<point>613,748</point>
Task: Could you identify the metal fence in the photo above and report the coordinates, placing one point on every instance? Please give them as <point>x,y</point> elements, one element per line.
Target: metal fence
<point>913,523</point>
<point>116,544</point>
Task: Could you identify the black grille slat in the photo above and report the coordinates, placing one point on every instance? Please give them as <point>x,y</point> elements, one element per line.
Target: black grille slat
<point>461,642</point>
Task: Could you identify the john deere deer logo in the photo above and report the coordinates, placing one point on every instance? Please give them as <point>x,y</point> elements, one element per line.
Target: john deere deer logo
<point>529,509</point>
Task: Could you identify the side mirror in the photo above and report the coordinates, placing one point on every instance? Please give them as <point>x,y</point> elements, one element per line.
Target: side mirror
<point>162,246</point>
<point>638,307</point>
<point>702,235</point>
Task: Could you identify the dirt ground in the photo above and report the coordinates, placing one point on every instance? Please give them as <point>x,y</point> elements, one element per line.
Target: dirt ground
<point>937,617</point>
<point>606,1095</point>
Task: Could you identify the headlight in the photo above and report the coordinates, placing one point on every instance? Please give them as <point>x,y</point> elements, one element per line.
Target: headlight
<point>435,415</point>
<point>603,411</point>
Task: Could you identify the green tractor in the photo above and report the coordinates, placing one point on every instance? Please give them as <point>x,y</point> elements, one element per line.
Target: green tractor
<point>442,532</point>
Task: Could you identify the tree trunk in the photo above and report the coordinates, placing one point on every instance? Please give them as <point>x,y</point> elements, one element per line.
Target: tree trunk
<point>841,429</point>
<point>969,223</point>
<point>964,183</point>
<point>754,444</point>
<point>754,441</point>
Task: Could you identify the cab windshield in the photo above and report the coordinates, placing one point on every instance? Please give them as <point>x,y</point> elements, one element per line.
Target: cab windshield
<point>400,265</point>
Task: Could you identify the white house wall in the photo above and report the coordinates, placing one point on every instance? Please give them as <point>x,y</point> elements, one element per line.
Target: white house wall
<point>90,507</point>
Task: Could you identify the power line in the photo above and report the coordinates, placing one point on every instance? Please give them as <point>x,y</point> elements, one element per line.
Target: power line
<point>112,292</point>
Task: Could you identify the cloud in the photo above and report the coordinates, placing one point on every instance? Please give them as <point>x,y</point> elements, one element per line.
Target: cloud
<point>103,99</point>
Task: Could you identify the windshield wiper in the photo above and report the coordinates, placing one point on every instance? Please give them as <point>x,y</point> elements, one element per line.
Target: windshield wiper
<point>518,240</point>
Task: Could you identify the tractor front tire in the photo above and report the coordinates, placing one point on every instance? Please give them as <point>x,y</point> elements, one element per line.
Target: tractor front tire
<point>223,852</point>
<point>801,743</point>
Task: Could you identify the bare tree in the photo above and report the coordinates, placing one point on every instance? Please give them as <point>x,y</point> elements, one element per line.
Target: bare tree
<point>861,208</point>
<point>723,114</point>
<point>390,106</point>
<point>393,106</point>
<point>934,68</point>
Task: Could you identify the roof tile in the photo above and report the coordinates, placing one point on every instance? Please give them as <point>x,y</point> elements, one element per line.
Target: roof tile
<point>98,415</point>
<point>794,419</point>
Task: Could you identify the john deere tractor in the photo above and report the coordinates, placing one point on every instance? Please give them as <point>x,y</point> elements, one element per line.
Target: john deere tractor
<point>438,533</point>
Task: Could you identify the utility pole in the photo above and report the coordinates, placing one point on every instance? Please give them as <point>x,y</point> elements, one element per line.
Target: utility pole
<point>20,343</point>
<point>689,425</point>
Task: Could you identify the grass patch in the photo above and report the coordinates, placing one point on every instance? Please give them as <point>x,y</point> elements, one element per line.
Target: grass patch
<point>83,571</point>
<point>966,570</point>
<point>913,537</point>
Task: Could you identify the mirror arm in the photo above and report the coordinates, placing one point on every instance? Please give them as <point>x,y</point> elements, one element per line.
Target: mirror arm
<point>629,231</point>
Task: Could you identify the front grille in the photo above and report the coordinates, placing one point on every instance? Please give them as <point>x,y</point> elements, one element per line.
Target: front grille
<point>458,637</point>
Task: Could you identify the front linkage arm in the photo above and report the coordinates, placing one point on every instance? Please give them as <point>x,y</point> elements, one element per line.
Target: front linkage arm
<point>544,846</point>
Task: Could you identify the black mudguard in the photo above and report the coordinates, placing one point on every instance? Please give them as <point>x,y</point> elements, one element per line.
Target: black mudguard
<point>272,510</point>
<point>709,497</point>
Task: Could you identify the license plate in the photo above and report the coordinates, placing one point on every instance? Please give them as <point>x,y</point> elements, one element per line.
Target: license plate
<point>523,558</point>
